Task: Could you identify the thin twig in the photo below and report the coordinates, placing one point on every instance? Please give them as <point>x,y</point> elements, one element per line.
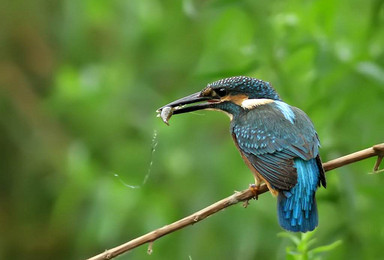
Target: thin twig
<point>245,195</point>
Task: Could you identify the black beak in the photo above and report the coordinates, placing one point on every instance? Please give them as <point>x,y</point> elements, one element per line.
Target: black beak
<point>180,106</point>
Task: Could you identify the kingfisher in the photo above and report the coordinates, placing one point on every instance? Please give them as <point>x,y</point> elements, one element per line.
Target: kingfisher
<point>278,143</point>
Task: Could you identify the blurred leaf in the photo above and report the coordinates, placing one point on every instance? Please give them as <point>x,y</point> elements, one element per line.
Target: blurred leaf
<point>291,236</point>
<point>326,248</point>
<point>371,70</point>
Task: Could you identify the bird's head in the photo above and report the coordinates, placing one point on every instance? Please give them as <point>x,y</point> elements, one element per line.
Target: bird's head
<point>229,95</point>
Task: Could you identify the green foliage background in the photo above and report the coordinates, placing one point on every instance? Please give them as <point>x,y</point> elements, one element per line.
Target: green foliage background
<point>79,85</point>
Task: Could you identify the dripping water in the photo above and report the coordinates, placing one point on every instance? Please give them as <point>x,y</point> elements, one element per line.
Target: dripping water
<point>153,149</point>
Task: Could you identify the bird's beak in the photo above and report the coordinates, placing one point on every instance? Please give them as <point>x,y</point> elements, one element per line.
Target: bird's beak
<point>179,105</point>
<point>182,105</point>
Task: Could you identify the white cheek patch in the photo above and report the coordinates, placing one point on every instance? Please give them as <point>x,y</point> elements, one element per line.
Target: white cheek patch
<point>252,103</point>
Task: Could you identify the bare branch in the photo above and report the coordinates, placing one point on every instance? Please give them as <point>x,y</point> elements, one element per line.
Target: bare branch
<point>245,195</point>
<point>376,150</point>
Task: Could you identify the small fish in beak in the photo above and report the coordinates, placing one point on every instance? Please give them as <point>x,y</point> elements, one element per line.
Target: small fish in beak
<point>200,100</point>
<point>165,113</point>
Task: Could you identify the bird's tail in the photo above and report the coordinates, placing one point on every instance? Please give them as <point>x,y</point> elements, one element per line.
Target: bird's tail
<point>297,210</point>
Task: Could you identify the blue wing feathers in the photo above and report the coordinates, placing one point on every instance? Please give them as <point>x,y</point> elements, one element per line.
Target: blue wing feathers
<point>270,142</point>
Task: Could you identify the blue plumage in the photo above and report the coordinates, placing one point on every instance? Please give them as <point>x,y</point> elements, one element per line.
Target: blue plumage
<point>285,110</point>
<point>281,144</point>
<point>296,208</point>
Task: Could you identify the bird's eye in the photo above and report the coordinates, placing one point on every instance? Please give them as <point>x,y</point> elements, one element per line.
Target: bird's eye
<point>221,92</point>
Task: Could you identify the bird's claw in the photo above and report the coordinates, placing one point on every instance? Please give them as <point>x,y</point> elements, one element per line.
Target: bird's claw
<point>255,190</point>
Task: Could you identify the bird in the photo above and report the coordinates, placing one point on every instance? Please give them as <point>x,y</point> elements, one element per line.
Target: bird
<point>277,141</point>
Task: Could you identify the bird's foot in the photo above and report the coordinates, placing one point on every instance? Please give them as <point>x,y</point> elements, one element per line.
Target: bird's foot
<point>255,190</point>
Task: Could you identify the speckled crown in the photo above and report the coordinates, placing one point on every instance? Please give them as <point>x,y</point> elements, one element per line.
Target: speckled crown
<point>254,88</point>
